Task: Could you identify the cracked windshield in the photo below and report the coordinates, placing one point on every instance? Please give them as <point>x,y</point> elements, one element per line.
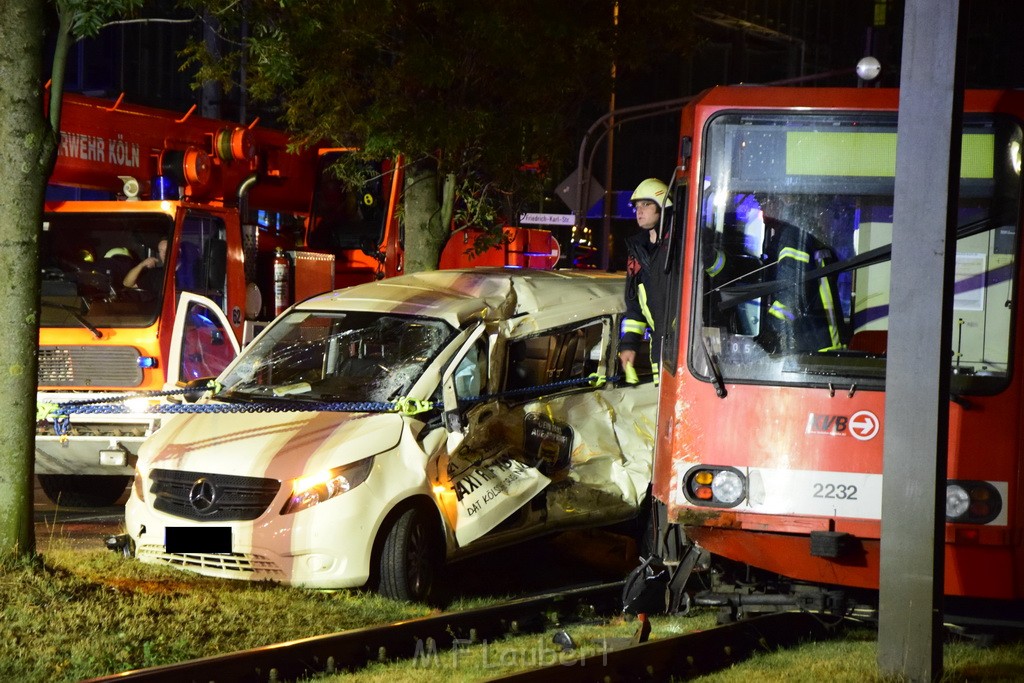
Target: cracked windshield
<point>338,357</point>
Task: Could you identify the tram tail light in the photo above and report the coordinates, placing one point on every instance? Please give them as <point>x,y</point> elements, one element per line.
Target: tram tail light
<point>710,485</point>
<point>972,502</point>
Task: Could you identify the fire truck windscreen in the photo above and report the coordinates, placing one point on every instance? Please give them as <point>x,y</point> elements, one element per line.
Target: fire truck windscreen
<point>85,258</point>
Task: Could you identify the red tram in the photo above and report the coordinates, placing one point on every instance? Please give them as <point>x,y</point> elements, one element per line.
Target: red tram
<point>769,451</point>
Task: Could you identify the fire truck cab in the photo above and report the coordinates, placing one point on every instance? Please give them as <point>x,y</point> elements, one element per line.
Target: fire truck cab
<point>145,206</point>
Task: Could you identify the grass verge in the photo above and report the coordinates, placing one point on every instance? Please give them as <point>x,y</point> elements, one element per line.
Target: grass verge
<point>69,615</point>
<point>73,615</point>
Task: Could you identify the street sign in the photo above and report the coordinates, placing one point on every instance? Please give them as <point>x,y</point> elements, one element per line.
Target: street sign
<point>568,191</point>
<point>547,219</point>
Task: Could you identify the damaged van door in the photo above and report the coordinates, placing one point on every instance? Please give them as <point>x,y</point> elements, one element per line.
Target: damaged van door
<point>547,444</point>
<point>488,485</point>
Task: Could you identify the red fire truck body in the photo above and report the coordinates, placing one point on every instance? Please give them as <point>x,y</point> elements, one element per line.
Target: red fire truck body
<point>149,209</point>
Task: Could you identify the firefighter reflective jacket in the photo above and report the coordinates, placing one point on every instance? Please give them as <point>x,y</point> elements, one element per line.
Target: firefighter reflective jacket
<point>802,315</point>
<point>646,286</point>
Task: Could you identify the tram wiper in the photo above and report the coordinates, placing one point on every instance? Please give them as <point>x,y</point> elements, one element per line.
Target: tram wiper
<point>716,372</point>
<point>735,293</point>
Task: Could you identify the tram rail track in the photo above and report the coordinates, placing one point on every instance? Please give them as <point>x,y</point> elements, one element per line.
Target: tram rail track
<point>354,649</point>
<point>680,656</point>
<point>688,655</point>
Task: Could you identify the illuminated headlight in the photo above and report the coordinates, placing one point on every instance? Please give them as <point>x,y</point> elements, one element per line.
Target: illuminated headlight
<point>714,486</point>
<point>727,487</point>
<point>972,502</point>
<point>957,501</point>
<point>322,486</point>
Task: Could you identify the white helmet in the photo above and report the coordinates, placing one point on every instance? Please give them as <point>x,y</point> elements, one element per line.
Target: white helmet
<point>654,190</point>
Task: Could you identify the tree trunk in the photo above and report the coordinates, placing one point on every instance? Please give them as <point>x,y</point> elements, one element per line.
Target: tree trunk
<point>26,152</point>
<point>425,226</point>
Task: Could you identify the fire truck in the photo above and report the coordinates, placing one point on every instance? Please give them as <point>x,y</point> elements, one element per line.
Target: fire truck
<point>157,221</point>
<point>769,451</point>
<point>171,239</point>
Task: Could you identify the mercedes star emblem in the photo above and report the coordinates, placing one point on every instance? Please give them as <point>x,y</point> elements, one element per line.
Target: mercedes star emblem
<point>202,496</point>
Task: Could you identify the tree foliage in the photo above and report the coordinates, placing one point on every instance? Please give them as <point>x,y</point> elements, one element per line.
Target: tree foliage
<point>477,88</point>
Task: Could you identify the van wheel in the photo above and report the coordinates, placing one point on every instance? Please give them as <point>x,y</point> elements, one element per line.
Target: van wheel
<point>410,560</point>
<point>84,490</point>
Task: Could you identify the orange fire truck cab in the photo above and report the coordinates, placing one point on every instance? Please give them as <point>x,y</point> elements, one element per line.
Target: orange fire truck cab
<point>145,205</point>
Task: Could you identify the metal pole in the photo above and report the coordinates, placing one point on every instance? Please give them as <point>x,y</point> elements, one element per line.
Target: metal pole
<point>918,368</point>
<point>609,176</point>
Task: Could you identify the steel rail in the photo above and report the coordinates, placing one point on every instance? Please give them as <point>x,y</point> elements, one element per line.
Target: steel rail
<point>354,649</point>
<point>688,655</point>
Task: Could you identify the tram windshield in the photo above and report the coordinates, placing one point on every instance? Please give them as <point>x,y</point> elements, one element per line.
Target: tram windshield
<point>795,229</point>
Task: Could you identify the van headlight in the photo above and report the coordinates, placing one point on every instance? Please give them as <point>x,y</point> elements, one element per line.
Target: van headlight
<point>322,486</point>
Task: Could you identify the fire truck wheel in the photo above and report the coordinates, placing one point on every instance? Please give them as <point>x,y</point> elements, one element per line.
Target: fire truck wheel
<point>86,490</point>
<point>410,560</point>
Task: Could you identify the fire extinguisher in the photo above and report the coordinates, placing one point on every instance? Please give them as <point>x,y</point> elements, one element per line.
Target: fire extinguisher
<point>281,298</point>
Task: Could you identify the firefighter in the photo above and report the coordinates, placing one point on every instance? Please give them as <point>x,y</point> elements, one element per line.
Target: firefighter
<point>152,267</point>
<point>646,283</point>
<point>803,314</point>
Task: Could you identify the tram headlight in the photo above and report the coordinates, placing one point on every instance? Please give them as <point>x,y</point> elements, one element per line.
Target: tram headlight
<point>972,502</point>
<point>957,501</point>
<point>727,487</point>
<point>711,485</point>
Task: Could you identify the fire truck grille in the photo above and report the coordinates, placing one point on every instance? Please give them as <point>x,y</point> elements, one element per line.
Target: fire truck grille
<point>211,497</point>
<point>89,366</point>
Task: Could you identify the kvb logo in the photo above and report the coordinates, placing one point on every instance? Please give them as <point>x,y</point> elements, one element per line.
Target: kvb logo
<point>862,425</point>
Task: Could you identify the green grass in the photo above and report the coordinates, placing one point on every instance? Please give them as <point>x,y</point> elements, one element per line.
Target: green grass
<point>73,615</point>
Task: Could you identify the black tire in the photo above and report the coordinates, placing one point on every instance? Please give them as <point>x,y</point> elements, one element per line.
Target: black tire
<point>410,560</point>
<point>85,490</point>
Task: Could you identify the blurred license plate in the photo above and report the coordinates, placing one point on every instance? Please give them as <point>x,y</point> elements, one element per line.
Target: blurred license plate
<point>201,539</point>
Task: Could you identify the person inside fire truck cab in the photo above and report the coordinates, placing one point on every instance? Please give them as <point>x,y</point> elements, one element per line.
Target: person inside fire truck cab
<point>148,274</point>
<point>646,282</point>
<point>116,262</point>
<point>802,315</point>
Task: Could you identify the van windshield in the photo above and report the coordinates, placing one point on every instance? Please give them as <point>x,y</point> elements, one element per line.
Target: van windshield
<point>338,357</point>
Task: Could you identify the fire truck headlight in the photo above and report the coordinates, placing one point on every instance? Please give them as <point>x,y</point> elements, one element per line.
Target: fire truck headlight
<point>972,502</point>
<point>727,487</point>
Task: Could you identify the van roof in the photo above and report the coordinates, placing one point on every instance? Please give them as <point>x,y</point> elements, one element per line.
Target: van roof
<point>482,293</point>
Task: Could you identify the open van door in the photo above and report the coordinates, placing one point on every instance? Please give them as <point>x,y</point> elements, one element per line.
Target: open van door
<point>202,343</point>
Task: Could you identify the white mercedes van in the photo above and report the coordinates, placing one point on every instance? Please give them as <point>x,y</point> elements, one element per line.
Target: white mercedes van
<point>371,434</point>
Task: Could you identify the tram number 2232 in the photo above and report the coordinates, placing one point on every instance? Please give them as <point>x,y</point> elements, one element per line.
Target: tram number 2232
<point>837,491</point>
